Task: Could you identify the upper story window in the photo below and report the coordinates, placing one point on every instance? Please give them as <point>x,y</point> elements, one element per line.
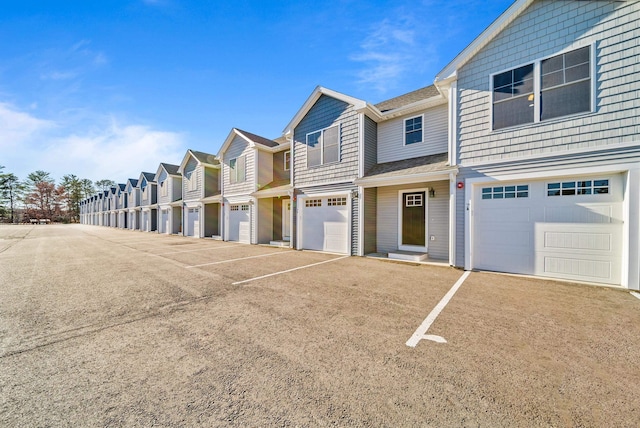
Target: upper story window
<point>237,169</point>
<point>192,180</point>
<point>164,188</point>
<point>413,130</point>
<point>323,146</point>
<point>564,88</point>
<point>287,160</point>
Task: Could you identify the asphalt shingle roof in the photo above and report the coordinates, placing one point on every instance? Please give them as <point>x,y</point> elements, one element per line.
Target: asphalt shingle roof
<point>258,139</point>
<point>205,157</point>
<point>170,168</point>
<point>431,163</point>
<point>409,98</point>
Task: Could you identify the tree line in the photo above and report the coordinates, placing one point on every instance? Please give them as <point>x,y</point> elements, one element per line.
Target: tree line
<point>40,197</point>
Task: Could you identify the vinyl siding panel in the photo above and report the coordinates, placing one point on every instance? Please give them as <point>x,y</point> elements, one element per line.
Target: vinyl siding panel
<point>437,213</point>
<point>264,168</point>
<point>212,185</point>
<point>327,112</point>
<point>370,197</point>
<point>175,188</point>
<point>239,147</point>
<point>192,195</point>
<point>543,30</point>
<point>435,132</point>
<point>279,172</point>
<point>164,178</point>
<point>370,143</point>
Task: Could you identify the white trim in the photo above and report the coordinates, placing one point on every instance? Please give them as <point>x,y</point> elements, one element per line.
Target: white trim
<point>425,200</point>
<point>453,121</point>
<point>286,165</point>
<point>326,183</point>
<point>452,218</point>
<point>406,179</point>
<point>360,251</point>
<point>404,129</point>
<point>537,88</point>
<point>322,145</point>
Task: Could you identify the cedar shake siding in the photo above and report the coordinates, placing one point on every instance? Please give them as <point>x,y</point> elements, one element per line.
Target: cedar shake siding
<point>544,29</point>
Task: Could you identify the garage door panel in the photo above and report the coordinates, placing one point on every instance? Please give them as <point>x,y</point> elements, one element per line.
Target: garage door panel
<point>239,226</point>
<point>572,236</point>
<point>325,227</point>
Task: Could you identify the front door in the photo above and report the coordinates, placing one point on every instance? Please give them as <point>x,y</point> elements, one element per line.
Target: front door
<point>286,220</point>
<point>413,219</point>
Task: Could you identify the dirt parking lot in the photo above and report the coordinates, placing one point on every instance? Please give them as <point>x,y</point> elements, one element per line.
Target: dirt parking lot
<point>105,327</point>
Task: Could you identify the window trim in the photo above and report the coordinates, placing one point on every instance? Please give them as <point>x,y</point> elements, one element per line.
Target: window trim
<point>404,130</point>
<point>322,131</point>
<point>286,162</point>
<point>537,89</point>
<point>233,171</point>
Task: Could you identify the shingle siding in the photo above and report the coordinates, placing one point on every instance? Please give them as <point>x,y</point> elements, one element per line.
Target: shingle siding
<point>239,147</point>
<point>391,136</point>
<point>326,112</point>
<point>544,29</point>
<point>279,172</point>
<point>191,195</point>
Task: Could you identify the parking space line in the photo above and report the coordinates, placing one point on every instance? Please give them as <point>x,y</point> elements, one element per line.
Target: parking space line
<point>422,330</point>
<point>199,249</point>
<point>235,260</point>
<point>288,270</point>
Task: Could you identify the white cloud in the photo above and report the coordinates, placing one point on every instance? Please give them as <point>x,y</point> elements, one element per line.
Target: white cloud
<point>115,152</point>
<point>18,128</point>
<point>394,48</point>
<point>110,150</point>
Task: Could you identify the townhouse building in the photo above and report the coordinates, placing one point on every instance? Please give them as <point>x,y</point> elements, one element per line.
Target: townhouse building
<point>256,189</point>
<point>169,189</point>
<point>201,195</point>
<point>545,127</point>
<point>148,202</point>
<point>133,204</point>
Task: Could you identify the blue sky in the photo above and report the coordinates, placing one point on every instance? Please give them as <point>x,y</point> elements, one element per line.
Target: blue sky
<point>107,89</point>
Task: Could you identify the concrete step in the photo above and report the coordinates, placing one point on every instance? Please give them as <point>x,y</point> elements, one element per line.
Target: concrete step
<point>412,256</point>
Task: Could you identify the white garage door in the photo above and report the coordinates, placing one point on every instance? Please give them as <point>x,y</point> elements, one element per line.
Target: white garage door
<point>164,221</point>
<point>193,222</point>
<point>568,228</point>
<point>239,226</point>
<point>325,224</point>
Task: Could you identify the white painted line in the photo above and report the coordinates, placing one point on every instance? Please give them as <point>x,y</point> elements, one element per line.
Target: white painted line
<point>636,294</point>
<point>235,260</point>
<point>288,270</point>
<point>422,330</point>
<point>198,249</point>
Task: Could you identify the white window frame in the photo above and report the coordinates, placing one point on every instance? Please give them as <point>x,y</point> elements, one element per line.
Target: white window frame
<point>404,130</point>
<point>234,176</point>
<point>164,188</point>
<point>192,180</point>
<point>537,90</point>
<point>322,145</point>
<point>577,187</point>
<point>287,160</point>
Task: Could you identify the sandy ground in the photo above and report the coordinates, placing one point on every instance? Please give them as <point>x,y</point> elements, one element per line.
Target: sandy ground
<point>104,327</point>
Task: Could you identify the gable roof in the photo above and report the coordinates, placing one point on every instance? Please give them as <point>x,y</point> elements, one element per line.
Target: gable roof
<point>202,158</point>
<point>148,176</point>
<point>169,168</point>
<point>252,139</point>
<point>132,182</point>
<point>507,17</point>
<point>407,99</point>
<point>311,100</point>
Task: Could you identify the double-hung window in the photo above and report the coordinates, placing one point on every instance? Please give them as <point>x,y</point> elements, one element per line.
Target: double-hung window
<point>164,189</point>
<point>287,160</point>
<point>413,130</point>
<point>192,180</point>
<point>237,170</point>
<point>323,146</point>
<point>553,87</point>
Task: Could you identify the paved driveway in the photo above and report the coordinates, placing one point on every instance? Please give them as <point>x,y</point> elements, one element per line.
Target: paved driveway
<point>110,327</point>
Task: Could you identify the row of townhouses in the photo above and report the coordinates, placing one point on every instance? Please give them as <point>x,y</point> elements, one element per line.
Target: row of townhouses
<point>522,157</point>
